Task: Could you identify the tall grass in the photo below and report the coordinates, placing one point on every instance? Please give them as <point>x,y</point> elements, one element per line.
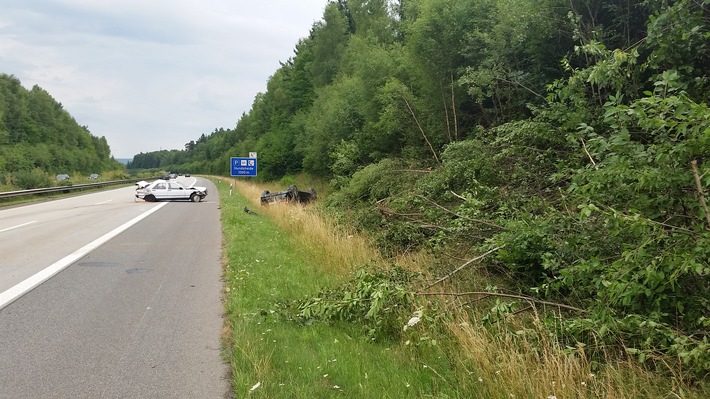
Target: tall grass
<point>522,360</point>
<point>336,250</point>
<point>272,356</point>
<point>287,252</point>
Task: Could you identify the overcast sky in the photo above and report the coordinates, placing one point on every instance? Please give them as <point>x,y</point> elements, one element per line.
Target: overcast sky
<point>152,74</point>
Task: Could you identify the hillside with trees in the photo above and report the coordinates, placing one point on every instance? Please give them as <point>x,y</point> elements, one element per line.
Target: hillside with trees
<point>563,145</point>
<point>39,138</point>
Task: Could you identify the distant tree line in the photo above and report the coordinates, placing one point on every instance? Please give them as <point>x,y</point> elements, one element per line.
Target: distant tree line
<point>39,138</point>
<point>567,138</point>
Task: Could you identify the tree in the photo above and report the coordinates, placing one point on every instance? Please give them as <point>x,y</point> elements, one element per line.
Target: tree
<point>329,40</point>
<point>36,132</point>
<point>333,117</point>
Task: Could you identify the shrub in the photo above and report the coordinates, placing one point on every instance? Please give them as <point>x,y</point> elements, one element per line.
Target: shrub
<point>29,179</point>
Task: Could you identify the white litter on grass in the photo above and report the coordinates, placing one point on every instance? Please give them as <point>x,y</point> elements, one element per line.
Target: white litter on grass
<point>416,318</point>
<point>257,385</point>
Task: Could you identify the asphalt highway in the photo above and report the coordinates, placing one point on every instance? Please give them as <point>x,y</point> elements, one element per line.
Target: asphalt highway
<point>130,308</point>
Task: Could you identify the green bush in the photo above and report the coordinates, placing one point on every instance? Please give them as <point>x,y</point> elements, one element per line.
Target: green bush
<point>29,179</point>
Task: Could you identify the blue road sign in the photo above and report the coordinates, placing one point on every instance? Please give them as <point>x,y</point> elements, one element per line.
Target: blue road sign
<point>243,166</point>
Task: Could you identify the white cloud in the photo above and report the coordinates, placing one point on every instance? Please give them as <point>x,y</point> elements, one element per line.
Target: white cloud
<point>152,74</point>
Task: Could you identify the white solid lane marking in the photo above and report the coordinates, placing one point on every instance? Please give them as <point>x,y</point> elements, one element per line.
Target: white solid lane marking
<point>31,282</point>
<point>105,202</point>
<point>17,227</point>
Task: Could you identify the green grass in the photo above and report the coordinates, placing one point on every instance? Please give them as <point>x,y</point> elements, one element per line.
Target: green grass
<point>266,267</point>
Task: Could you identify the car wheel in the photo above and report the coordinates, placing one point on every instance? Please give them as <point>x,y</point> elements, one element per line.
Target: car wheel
<point>195,197</point>
<point>149,198</point>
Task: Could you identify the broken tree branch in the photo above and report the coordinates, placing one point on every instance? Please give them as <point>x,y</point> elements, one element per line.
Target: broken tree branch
<point>458,269</point>
<point>584,147</point>
<point>524,298</point>
<point>453,109</point>
<point>413,170</point>
<point>701,193</point>
<point>647,220</point>
<point>446,112</point>
<point>460,216</point>
<point>431,147</point>
<point>521,85</point>
<point>459,196</point>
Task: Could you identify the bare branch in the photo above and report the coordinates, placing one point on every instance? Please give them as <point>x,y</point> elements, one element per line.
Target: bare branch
<point>458,195</point>
<point>433,227</point>
<point>521,85</point>
<point>458,269</point>
<point>701,193</point>
<point>482,293</point>
<point>584,147</point>
<point>446,112</point>
<point>412,217</point>
<point>675,228</point>
<point>453,109</point>
<point>413,170</point>
<point>461,216</point>
<point>388,212</point>
<point>431,148</point>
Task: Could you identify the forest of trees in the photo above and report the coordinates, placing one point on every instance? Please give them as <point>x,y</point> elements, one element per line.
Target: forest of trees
<point>39,139</point>
<point>569,139</point>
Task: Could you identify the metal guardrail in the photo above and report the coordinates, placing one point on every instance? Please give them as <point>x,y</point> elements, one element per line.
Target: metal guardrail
<point>34,191</point>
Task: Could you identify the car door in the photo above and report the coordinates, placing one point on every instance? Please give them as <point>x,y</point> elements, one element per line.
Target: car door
<point>176,191</point>
<point>160,190</point>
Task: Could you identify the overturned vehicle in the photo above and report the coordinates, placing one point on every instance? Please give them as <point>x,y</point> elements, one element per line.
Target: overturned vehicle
<point>290,195</point>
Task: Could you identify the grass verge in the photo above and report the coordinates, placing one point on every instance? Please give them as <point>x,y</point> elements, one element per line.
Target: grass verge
<point>272,357</point>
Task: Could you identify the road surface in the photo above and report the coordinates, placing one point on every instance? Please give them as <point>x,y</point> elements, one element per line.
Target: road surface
<point>135,312</point>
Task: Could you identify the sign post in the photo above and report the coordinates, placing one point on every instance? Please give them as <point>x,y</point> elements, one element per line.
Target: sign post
<point>246,167</point>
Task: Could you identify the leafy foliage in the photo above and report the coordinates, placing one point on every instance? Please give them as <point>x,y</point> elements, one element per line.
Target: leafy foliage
<point>378,300</point>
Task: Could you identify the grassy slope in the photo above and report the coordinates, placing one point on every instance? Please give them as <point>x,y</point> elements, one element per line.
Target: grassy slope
<point>266,266</point>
